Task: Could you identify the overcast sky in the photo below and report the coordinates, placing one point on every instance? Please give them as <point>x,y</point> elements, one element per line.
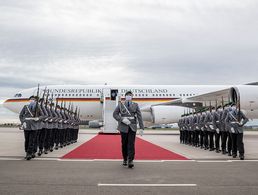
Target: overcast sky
<point>127,42</point>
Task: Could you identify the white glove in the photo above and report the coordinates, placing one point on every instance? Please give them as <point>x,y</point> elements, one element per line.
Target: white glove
<point>126,121</point>
<point>217,130</point>
<point>36,119</point>
<point>141,132</point>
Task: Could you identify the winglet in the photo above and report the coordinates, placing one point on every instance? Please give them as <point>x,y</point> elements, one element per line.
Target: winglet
<point>254,83</point>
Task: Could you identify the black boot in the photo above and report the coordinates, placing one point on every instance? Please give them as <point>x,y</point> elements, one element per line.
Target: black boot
<point>40,152</point>
<point>130,164</point>
<point>56,148</point>
<point>242,157</point>
<point>28,157</point>
<point>124,162</point>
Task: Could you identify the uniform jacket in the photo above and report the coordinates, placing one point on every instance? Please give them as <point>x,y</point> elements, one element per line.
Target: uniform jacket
<point>121,111</point>
<point>232,121</point>
<point>28,111</point>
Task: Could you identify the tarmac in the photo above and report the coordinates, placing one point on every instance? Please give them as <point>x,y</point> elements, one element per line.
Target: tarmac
<point>206,173</point>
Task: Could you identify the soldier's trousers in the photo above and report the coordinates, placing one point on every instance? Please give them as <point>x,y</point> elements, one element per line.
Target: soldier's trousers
<point>62,133</point>
<point>181,136</point>
<point>229,142</point>
<point>77,134</point>
<point>42,138</point>
<point>224,137</point>
<point>217,140</point>
<point>36,141</point>
<point>201,138</point>
<point>128,144</point>
<point>237,143</point>
<point>205,139</point>
<point>56,137</point>
<point>48,140</point>
<point>197,139</point>
<point>185,136</point>
<point>211,139</point>
<point>30,138</point>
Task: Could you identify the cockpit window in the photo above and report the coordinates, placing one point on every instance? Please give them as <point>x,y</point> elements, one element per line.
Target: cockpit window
<point>18,95</point>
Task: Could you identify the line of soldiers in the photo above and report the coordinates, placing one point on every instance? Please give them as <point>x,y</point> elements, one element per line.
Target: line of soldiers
<point>223,124</point>
<point>47,126</point>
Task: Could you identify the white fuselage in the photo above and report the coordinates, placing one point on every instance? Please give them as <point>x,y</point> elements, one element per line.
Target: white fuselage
<point>89,97</point>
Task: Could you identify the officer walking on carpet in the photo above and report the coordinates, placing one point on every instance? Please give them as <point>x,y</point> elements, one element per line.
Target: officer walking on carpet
<point>128,114</point>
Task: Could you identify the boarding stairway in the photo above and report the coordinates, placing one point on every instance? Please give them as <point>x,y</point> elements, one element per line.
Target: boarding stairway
<point>109,123</point>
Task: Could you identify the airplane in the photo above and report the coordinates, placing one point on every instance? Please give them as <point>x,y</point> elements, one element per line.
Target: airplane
<point>160,104</point>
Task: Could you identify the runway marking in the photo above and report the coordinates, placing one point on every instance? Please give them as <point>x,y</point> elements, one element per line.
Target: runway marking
<point>214,161</point>
<point>147,185</point>
<point>11,158</point>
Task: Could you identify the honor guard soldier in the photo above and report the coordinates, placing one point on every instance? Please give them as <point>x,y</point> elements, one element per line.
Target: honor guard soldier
<point>128,114</point>
<point>210,129</point>
<point>42,134</point>
<point>216,127</point>
<point>196,130</point>
<point>30,118</point>
<point>205,132</point>
<point>227,138</point>
<point>200,129</point>
<point>180,130</point>
<point>236,120</point>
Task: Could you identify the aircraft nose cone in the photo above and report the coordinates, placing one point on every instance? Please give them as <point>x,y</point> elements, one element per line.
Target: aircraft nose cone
<point>3,102</point>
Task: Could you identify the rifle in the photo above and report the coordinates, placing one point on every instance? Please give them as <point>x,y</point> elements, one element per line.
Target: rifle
<point>37,103</point>
<point>222,102</point>
<point>52,97</point>
<point>79,113</point>
<point>47,97</point>
<point>56,103</point>
<point>41,103</point>
<point>239,109</point>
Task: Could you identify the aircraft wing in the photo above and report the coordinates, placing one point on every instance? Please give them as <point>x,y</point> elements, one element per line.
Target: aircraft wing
<point>203,100</point>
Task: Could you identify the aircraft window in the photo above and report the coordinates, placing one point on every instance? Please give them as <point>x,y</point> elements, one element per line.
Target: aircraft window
<point>90,94</point>
<point>140,95</point>
<point>186,94</point>
<point>83,94</point>
<point>180,94</point>
<point>18,95</point>
<point>159,94</point>
<point>174,94</point>
<point>65,94</point>
<point>97,94</point>
<point>183,94</point>
<point>146,95</point>
<point>76,94</point>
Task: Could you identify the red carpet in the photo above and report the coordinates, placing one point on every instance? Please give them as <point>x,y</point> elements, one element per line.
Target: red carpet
<point>109,147</point>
